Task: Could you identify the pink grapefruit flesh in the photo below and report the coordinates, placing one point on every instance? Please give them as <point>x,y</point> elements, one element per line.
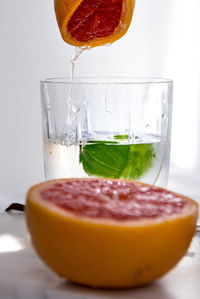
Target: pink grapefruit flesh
<point>112,199</point>
<point>95,19</point>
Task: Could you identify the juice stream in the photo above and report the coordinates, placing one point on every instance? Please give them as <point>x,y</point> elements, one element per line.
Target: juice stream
<point>72,107</point>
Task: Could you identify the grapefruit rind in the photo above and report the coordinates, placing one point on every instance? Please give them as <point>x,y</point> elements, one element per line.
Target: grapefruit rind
<point>105,252</point>
<point>64,10</point>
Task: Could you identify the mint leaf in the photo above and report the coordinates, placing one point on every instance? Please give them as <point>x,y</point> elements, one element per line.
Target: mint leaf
<point>121,137</point>
<point>113,160</point>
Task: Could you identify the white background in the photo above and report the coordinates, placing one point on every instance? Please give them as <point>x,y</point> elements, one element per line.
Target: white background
<point>163,41</point>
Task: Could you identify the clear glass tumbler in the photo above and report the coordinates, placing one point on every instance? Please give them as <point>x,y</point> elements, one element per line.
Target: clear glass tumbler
<point>107,127</point>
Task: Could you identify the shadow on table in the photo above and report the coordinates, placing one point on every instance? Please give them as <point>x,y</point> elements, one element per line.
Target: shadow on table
<point>151,291</point>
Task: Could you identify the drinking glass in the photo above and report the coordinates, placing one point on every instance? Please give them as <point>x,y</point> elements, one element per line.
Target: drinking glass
<point>107,127</point>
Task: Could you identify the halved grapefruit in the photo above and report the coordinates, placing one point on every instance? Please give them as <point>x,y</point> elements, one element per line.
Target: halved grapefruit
<point>91,23</point>
<point>109,233</point>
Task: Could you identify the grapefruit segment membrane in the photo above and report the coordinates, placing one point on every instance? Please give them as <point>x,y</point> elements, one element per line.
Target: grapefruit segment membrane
<point>109,233</point>
<point>90,23</point>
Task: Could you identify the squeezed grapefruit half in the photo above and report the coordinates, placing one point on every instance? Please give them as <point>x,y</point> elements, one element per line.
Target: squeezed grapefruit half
<point>91,23</point>
<point>109,233</point>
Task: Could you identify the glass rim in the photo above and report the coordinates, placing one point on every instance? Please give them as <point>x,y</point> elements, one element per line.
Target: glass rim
<point>110,80</point>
